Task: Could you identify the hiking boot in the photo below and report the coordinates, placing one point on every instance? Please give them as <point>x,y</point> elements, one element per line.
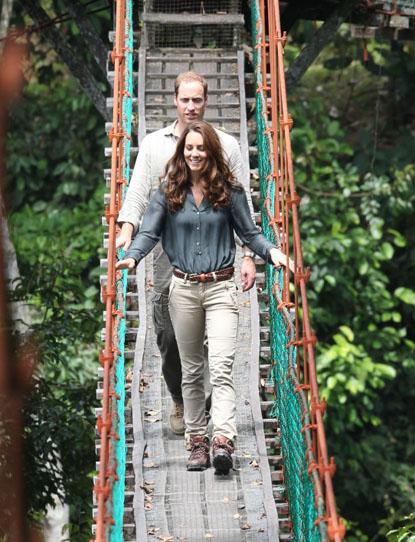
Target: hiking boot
<point>199,458</point>
<point>222,449</point>
<point>176,418</point>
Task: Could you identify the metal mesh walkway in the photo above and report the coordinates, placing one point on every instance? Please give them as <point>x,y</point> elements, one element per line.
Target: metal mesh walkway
<point>169,502</point>
<point>195,506</point>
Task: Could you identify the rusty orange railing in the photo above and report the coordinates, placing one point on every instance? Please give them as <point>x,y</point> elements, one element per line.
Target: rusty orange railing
<point>280,214</point>
<point>107,421</point>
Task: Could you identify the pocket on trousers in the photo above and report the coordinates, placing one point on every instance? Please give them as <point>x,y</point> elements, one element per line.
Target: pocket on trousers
<point>233,292</point>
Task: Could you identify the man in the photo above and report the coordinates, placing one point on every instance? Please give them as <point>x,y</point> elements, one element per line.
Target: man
<point>156,149</point>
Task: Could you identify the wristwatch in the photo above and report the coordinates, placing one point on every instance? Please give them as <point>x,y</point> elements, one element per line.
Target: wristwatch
<point>248,254</point>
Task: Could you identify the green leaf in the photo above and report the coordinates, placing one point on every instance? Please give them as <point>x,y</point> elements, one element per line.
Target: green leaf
<point>406,295</point>
<point>387,251</point>
<point>347,332</point>
<point>398,239</point>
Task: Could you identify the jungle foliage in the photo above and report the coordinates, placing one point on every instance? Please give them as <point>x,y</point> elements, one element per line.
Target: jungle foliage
<point>55,195</point>
<point>354,144</point>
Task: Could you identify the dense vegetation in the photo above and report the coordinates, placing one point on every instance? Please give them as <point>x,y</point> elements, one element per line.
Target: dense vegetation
<point>55,193</point>
<point>353,142</point>
<point>353,145</point>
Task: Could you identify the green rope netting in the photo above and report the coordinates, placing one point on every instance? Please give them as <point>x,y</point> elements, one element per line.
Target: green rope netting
<point>118,490</point>
<point>290,406</point>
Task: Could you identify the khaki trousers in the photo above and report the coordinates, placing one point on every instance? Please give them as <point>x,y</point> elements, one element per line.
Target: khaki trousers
<point>194,307</point>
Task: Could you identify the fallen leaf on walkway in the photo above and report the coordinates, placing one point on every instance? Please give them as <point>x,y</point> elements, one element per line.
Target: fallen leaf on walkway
<point>148,506</point>
<point>236,516</point>
<point>225,499</point>
<point>151,412</point>
<point>245,526</point>
<point>148,487</point>
<point>208,535</point>
<point>149,464</point>
<point>166,538</point>
<point>153,530</point>
<point>254,463</point>
<point>241,506</point>
<point>143,384</point>
<point>261,530</point>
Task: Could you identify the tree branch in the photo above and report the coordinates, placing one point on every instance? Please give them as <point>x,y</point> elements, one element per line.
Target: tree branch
<point>79,70</point>
<point>320,40</point>
<point>89,34</point>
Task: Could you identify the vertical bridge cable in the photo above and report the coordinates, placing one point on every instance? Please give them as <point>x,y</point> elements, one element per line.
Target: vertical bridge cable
<point>307,469</point>
<point>110,482</point>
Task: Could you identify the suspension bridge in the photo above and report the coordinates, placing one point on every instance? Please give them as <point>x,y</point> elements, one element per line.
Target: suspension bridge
<point>281,486</point>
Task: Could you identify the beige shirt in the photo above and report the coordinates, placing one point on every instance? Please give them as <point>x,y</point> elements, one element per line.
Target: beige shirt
<point>155,151</point>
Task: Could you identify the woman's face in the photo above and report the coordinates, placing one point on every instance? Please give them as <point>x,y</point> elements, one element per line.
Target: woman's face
<point>195,155</point>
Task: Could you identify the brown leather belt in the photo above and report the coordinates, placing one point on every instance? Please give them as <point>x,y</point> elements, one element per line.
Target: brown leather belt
<point>212,276</point>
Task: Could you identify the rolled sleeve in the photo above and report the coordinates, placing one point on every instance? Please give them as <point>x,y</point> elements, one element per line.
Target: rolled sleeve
<point>139,189</point>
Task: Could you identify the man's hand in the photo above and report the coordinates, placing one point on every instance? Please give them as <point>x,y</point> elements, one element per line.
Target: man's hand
<point>124,238</point>
<point>248,273</point>
<point>129,263</point>
<point>279,258</point>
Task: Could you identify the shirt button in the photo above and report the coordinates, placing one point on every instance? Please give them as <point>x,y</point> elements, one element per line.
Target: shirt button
<point>198,243</point>
<point>199,252</point>
<point>198,228</point>
<point>198,212</point>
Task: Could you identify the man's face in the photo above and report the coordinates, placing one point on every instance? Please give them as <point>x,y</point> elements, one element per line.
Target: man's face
<point>190,102</point>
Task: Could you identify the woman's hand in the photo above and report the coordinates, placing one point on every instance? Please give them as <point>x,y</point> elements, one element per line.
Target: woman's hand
<point>279,258</point>
<point>129,263</point>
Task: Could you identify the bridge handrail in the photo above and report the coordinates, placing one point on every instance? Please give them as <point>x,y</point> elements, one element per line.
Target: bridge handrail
<point>109,486</point>
<point>309,475</point>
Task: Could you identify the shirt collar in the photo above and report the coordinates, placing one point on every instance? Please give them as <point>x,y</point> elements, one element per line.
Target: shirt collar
<point>169,130</point>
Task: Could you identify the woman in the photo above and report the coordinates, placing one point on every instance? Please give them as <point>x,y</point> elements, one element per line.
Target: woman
<point>195,212</point>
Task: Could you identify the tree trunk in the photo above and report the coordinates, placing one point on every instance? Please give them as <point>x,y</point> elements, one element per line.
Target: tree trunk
<point>19,310</point>
<point>89,35</point>
<point>75,63</point>
<point>324,34</point>
<point>6,13</point>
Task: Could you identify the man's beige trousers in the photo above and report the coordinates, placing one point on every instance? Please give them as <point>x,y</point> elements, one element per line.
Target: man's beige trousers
<point>193,307</point>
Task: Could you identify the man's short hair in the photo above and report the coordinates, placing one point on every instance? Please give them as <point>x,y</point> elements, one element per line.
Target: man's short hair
<point>190,77</point>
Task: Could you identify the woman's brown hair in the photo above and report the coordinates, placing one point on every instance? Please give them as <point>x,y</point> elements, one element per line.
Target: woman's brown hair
<point>216,177</point>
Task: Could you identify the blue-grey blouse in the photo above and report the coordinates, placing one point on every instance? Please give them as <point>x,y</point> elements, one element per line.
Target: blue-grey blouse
<point>198,239</point>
